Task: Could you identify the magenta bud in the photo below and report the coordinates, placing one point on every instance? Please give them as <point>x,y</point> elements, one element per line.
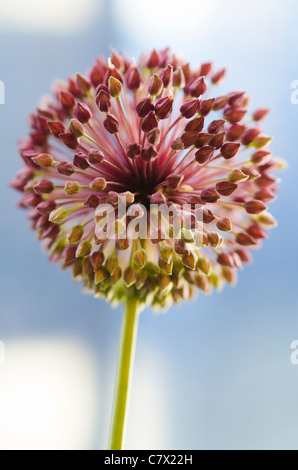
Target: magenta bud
<point>83,84</point>
<point>206,107</point>
<point>205,69</point>
<point>260,114</point>
<point>56,128</point>
<point>236,98</point>
<point>96,75</point>
<point>76,128</point>
<point>220,102</point>
<point>44,160</point>
<point>189,109</point>
<point>250,135</point>
<point>230,149</point>
<point>210,196</point>
<point>153,137</point>
<point>149,153</point>
<point>95,157</point>
<point>158,198</point>
<point>111,124</point>
<point>196,125</point>
<point>235,132</point>
<point>198,87</point>
<point>226,188</point>
<point>103,101</point>
<point>244,255</point>
<point>133,78</point>
<point>174,181</point>
<point>153,60</point>
<point>80,161</point>
<point>244,239</point>
<point>257,232</point>
<point>65,168</point>
<point>115,87</point>
<point>255,207</point>
<point>208,216</point>
<point>82,113</point>
<point>164,107</point>
<point>178,78</point>
<point>261,158</point>
<point>224,224</point>
<point>218,140</point>
<point>215,127</point>
<point>234,115</point>
<point>69,140</point>
<point>203,139</point>
<point>150,122</point>
<point>166,75</point>
<point>98,185</point>
<point>188,139</point>
<point>155,85</point>
<point>204,154</point>
<point>67,100</point>
<point>43,187</point>
<point>265,195</point>
<point>46,207</point>
<point>144,107</point>
<point>133,151</point>
<point>218,77</point>
<point>92,201</point>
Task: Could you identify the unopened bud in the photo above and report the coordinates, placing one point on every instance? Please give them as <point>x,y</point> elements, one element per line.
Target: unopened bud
<point>174,181</point>
<point>166,75</point>
<point>215,127</point>
<point>133,151</point>
<point>44,187</point>
<point>80,161</point>
<point>237,176</point>
<point>103,101</point>
<point>115,87</point>
<point>111,124</point>
<point>234,115</point>
<point>224,224</point>
<point>72,187</point>
<point>198,87</point>
<point>133,78</point>
<point>219,77</point>
<point>206,107</point>
<point>230,149</point>
<point>69,140</point>
<point>196,125</point>
<point>58,215</point>
<point>76,234</point>
<point>150,122</point>
<point>204,154</point>
<point>153,60</point>
<point>149,153</point>
<point>155,85</point>
<point>67,100</point>
<point>260,114</point>
<point>210,196</point>
<point>76,128</point>
<point>140,258</point>
<point>144,107</point>
<point>204,265</point>
<point>164,107</point>
<point>189,109</point>
<point>44,160</point>
<point>129,276</point>
<point>95,157</point>
<point>99,184</point>
<point>255,207</point>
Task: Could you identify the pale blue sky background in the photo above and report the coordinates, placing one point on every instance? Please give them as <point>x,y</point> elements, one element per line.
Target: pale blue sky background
<point>223,361</point>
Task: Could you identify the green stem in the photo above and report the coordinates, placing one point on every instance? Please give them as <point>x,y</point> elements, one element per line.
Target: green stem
<point>124,373</point>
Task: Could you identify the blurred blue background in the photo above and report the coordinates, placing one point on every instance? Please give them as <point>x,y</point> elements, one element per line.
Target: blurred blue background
<point>212,374</point>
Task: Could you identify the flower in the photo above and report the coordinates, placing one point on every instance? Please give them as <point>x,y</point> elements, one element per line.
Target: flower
<point>152,133</point>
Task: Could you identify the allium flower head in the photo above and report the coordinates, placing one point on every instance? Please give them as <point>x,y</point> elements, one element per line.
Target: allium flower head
<point>152,133</point>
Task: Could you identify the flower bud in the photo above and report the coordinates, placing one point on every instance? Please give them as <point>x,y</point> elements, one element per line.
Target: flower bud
<point>204,154</point>
<point>140,258</point>
<point>133,151</point>
<point>218,140</point>
<point>178,78</point>
<point>198,87</point>
<point>224,224</point>
<point>189,109</point>
<point>237,176</point>
<point>46,207</point>
<point>219,77</point>
<point>129,276</point>
<point>189,261</point>
<point>150,122</point>
<point>149,153</point>
<point>203,139</point>
<point>255,207</point>
<point>216,126</point>
<point>101,275</point>
<point>174,181</point>
<point>210,196</point>
<point>56,128</point>
<point>82,113</point>
<point>250,135</point>
<point>214,239</point>
<point>112,264</point>
<point>189,139</point>
<point>80,161</point>
<point>208,216</point>
<point>92,201</point>
<point>99,184</point>
<point>58,215</point>
<point>234,115</point>
<point>267,219</point>
<point>245,239</point>
<point>76,234</point>
<point>153,60</point>
<point>44,160</point>
<point>72,187</point>
<point>204,265</point>
<point>235,132</point>
<point>144,107</point>
<point>111,124</point>
<point>115,87</point>
<point>67,100</point>
<point>230,149</point>
<point>261,158</point>
<point>166,75</point>
<point>153,137</point>
<point>261,141</point>
<point>83,84</point>
<point>103,101</point>
<point>76,128</point>
<point>206,107</point>
<point>164,107</point>
<point>196,125</point>
<point>95,157</point>
<point>97,260</point>
<point>260,114</point>
<point>220,102</point>
<point>166,268</point>
<point>44,187</point>
<point>155,85</point>
<point>133,78</point>
<point>69,140</point>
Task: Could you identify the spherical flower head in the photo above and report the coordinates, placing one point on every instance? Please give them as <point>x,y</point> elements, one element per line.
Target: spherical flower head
<point>145,181</point>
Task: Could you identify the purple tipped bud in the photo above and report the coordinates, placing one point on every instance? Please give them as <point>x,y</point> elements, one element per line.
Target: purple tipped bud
<point>206,107</point>
<point>76,128</point>
<point>204,154</point>
<point>82,113</point>
<point>150,122</point>
<point>205,69</point>
<point>153,137</point>
<point>265,195</point>
<point>255,207</point>
<point>164,107</point>
<point>83,84</point>
<point>220,102</point>
<point>69,140</point>
<point>174,181</point>
<point>103,101</point>
<point>218,140</point>
<point>196,125</point>
<point>145,107</point>
<point>72,187</point>
<point>235,132</point>
<point>208,216</point>
<point>44,187</point>
<point>226,188</point>
<point>98,185</point>
<point>234,115</point>
<point>133,151</point>
<point>140,258</point>
<point>244,255</point>
<point>149,153</point>
<point>112,264</point>
<point>166,75</point>
<point>92,201</point>
<point>44,160</point>
<point>215,127</point>
<point>67,100</point>
<point>188,139</point>
<point>219,77</point>
<point>115,87</point>
<point>155,85</point>
<point>261,158</point>
<point>260,114</point>
<point>153,60</point>
<point>210,196</point>
<point>189,109</point>
<point>250,135</point>
<point>203,139</point>
<point>198,87</point>
<point>80,161</point>
<point>56,128</point>
<point>46,207</point>
<point>225,259</point>
<point>129,276</point>
<point>230,149</point>
<point>178,78</point>
<point>111,124</point>
<point>257,232</point>
<point>224,224</point>
<point>101,275</point>
<point>189,261</point>
<point>133,79</point>
<point>158,198</point>
<point>65,168</point>
<point>244,239</point>
<point>95,157</point>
